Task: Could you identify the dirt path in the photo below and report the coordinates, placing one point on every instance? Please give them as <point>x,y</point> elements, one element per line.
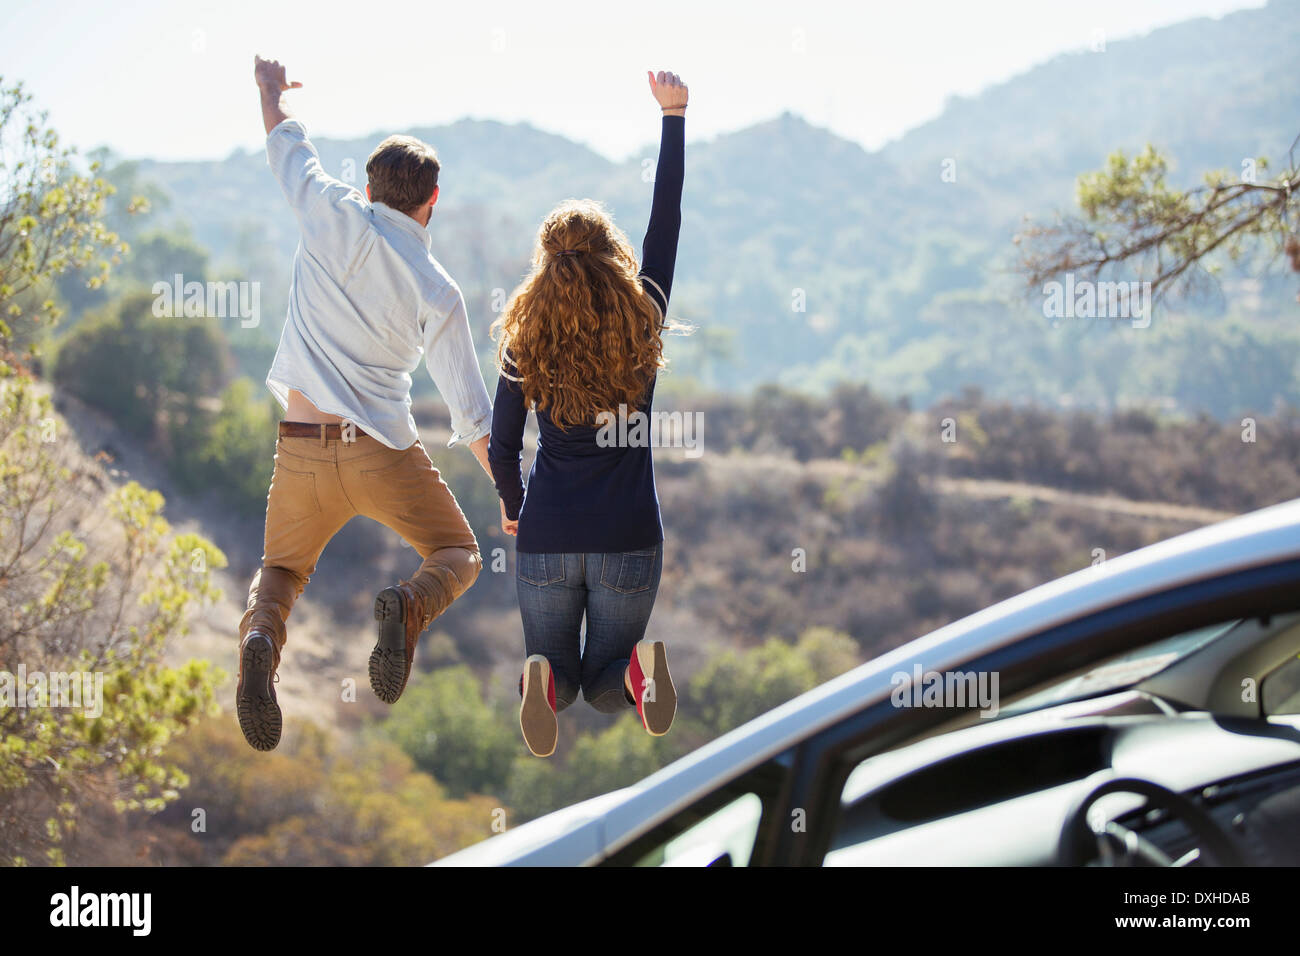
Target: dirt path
<point>978,488</point>
<point>1159,510</point>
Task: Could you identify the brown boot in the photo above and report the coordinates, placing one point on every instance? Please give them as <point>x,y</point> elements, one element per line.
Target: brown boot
<point>402,617</point>
<point>255,703</point>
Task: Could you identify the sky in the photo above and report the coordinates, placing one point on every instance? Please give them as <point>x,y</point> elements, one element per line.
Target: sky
<point>173,80</point>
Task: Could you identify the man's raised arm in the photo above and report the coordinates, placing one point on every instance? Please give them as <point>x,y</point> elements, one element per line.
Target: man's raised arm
<point>327,209</point>
<point>269,75</point>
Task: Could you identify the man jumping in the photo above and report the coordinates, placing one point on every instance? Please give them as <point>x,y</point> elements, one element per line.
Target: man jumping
<point>367,301</point>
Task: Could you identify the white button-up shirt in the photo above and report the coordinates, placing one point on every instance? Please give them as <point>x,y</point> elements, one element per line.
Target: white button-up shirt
<point>368,301</point>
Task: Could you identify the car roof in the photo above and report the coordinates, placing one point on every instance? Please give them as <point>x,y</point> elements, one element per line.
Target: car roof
<point>595,828</point>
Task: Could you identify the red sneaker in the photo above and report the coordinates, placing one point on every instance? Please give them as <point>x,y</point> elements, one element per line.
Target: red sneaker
<point>652,686</point>
<point>537,711</point>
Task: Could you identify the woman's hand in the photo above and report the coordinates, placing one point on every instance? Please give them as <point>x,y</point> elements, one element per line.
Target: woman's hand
<point>508,526</point>
<point>669,92</point>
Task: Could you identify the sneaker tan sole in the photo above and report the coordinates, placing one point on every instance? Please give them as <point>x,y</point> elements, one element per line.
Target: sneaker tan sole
<point>659,696</point>
<point>537,720</point>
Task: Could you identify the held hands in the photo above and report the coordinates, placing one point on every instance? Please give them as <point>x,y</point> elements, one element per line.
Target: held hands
<point>669,92</point>
<point>508,526</point>
<point>269,75</point>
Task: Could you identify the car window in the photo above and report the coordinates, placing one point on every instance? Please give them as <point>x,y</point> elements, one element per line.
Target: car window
<point>1126,670</point>
<point>1279,694</point>
<point>724,838</point>
<point>724,827</point>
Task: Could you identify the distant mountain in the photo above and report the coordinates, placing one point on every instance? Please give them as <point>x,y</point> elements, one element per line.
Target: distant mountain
<point>806,259</point>
<point>1210,93</point>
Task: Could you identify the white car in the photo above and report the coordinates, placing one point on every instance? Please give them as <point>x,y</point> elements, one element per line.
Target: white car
<point>1139,711</point>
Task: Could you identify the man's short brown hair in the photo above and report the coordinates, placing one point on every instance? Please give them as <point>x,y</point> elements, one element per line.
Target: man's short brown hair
<point>403,173</point>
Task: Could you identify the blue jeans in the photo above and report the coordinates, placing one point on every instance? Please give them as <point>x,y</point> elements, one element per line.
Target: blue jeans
<point>616,592</point>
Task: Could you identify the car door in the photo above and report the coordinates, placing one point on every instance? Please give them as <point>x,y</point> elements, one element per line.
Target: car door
<point>798,829</point>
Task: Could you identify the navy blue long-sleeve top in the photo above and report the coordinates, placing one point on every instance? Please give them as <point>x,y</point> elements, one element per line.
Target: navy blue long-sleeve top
<point>582,497</point>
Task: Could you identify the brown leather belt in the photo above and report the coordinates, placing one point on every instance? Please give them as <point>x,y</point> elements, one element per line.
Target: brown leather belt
<point>323,432</point>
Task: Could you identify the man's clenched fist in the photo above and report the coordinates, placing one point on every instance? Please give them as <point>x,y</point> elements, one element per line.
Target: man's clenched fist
<point>269,75</point>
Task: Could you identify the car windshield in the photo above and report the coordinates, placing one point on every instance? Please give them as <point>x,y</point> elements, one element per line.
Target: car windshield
<point>1121,672</point>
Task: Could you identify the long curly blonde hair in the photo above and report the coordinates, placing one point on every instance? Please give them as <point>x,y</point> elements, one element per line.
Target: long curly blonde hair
<point>579,334</point>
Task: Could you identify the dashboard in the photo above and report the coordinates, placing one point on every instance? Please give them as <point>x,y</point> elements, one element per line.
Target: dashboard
<point>999,792</point>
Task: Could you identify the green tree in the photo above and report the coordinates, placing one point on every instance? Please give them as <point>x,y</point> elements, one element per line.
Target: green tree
<point>155,256</point>
<point>90,583</point>
<point>145,370</point>
<point>51,219</point>
<point>317,800</point>
<point>93,584</point>
<point>228,449</point>
<point>1130,215</point>
<point>616,757</point>
<point>448,729</point>
<point>737,686</point>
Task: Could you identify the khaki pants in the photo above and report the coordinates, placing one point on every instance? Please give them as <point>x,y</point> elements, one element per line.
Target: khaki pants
<point>318,485</point>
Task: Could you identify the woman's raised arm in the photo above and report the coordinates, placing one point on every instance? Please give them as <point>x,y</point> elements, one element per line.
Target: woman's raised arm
<point>659,251</point>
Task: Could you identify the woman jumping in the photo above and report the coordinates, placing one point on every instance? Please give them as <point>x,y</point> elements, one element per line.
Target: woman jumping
<point>580,343</point>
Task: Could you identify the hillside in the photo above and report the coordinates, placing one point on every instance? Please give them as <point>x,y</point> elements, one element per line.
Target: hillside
<point>1204,90</point>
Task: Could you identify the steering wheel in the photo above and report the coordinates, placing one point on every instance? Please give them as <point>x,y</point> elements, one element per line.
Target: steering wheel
<point>1081,842</point>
